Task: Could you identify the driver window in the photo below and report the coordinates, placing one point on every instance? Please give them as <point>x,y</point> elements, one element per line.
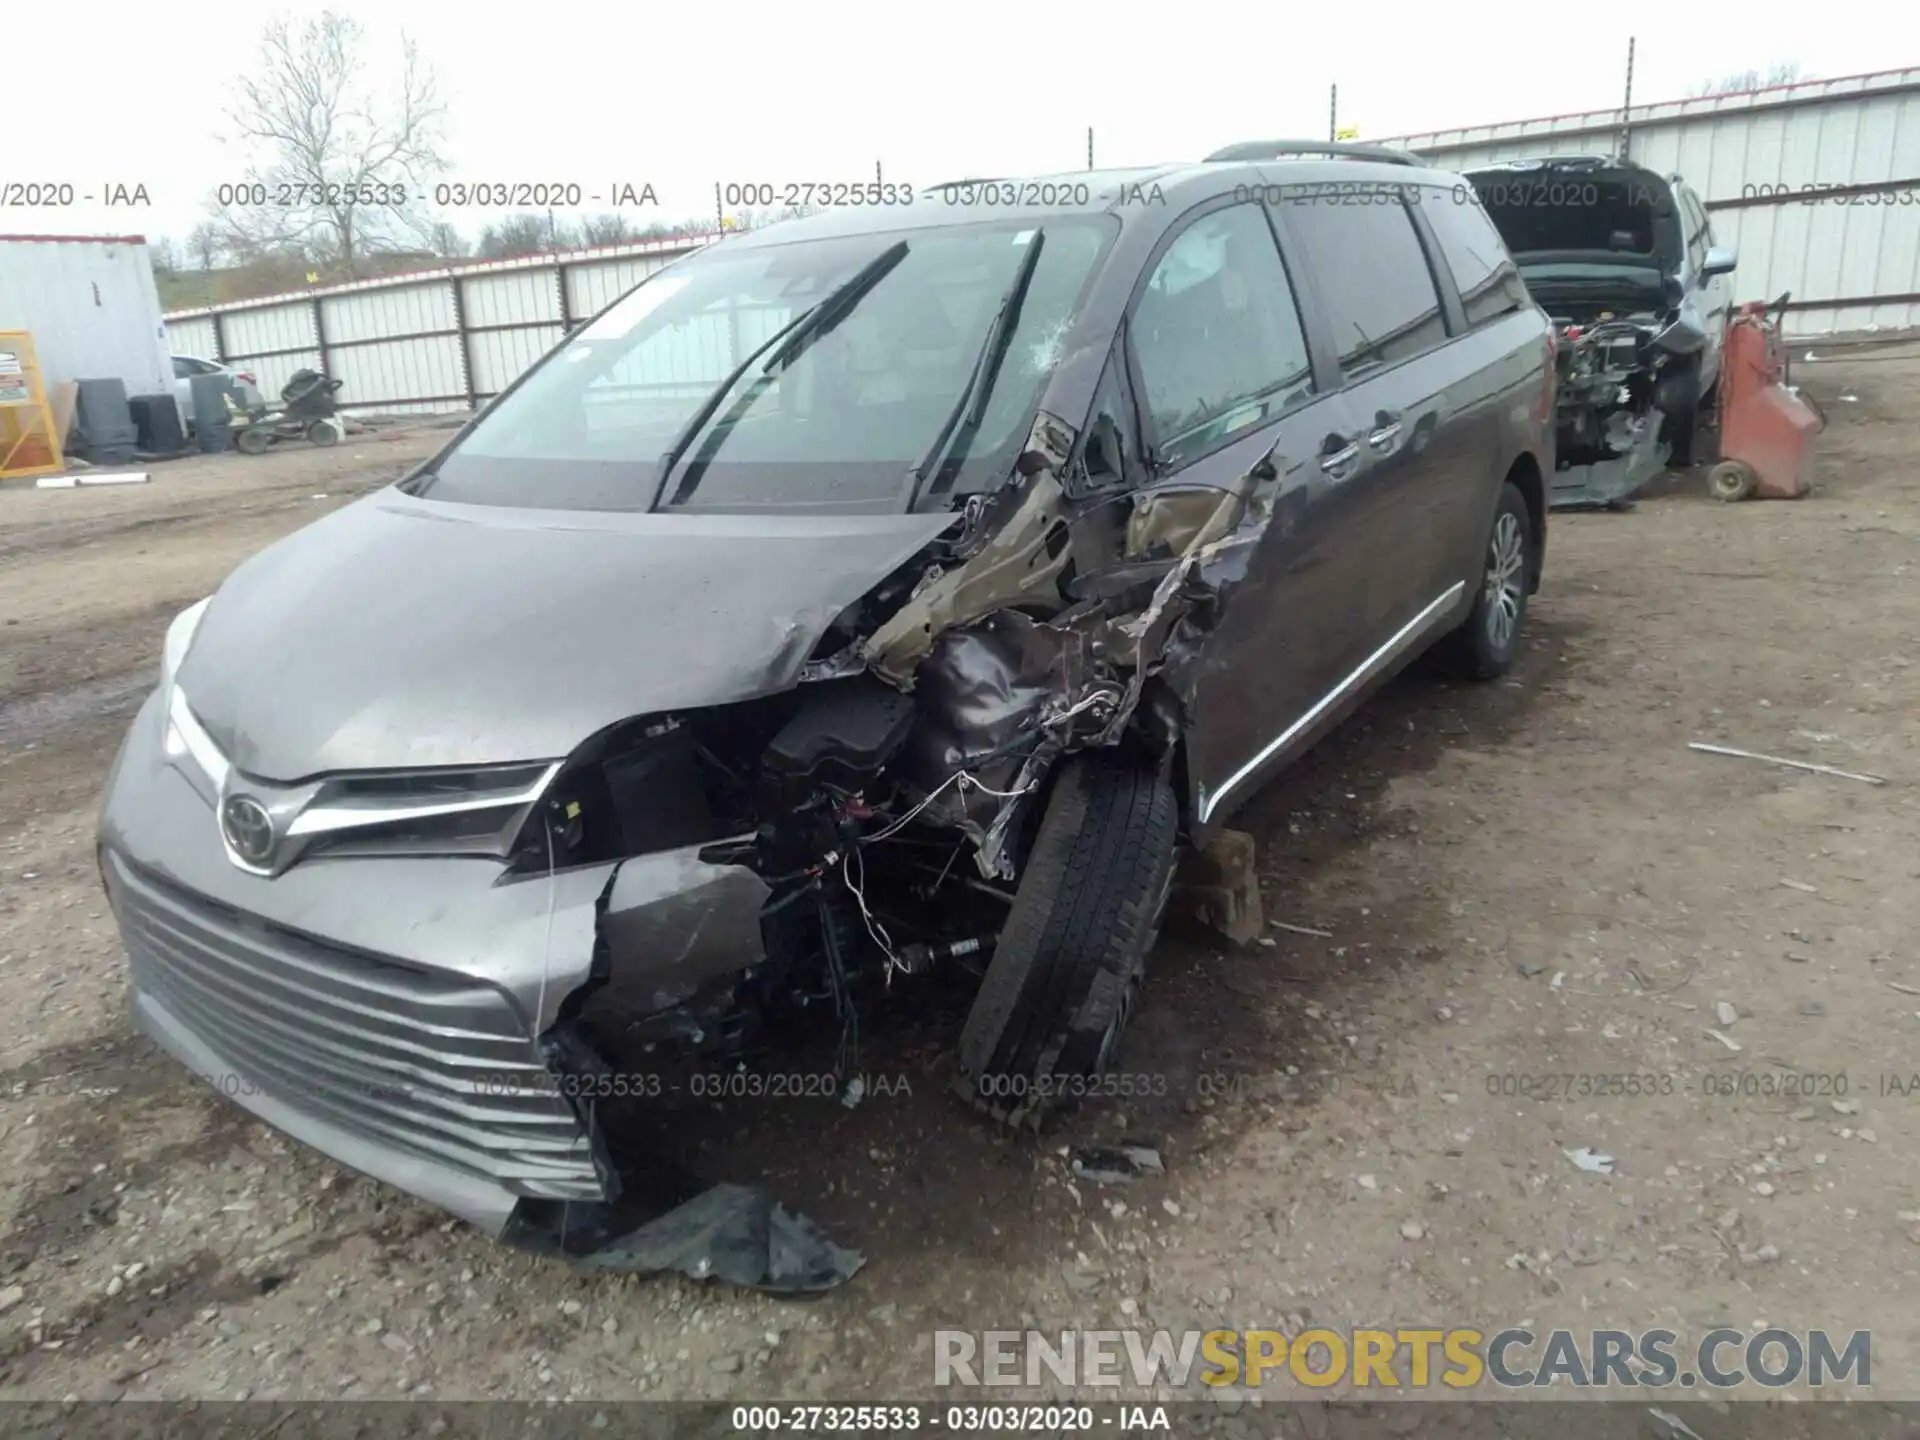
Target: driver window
<point>1216,336</point>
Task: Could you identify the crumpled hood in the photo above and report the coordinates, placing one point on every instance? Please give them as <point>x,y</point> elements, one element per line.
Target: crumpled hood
<point>403,633</point>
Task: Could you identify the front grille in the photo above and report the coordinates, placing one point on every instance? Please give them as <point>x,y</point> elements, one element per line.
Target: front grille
<point>401,1056</point>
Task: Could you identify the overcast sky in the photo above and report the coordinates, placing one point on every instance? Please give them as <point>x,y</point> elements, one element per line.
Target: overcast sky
<point>683,95</point>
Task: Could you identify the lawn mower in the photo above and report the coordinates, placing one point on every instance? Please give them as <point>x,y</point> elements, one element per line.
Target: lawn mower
<point>307,411</point>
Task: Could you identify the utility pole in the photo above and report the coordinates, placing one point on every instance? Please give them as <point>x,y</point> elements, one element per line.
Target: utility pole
<point>1333,112</point>
<point>1090,147</point>
<point>1626,107</point>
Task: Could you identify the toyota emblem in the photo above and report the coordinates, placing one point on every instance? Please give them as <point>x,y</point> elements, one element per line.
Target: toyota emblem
<point>248,828</point>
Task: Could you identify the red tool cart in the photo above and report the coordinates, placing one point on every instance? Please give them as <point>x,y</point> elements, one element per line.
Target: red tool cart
<point>1767,426</point>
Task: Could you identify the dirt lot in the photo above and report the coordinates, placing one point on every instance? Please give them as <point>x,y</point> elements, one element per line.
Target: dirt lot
<point>1536,879</point>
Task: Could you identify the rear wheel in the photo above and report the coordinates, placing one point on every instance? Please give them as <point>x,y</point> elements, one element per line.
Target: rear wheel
<point>1069,964</point>
<point>1485,647</point>
<point>253,440</point>
<point>325,431</point>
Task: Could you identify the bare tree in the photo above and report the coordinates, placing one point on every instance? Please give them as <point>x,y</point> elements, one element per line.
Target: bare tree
<point>522,234</point>
<point>1783,72</point>
<point>204,246</point>
<point>445,241</point>
<point>612,228</point>
<point>342,161</point>
<point>164,254</point>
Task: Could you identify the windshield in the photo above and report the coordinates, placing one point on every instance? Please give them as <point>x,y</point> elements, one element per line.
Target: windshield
<point>839,421</point>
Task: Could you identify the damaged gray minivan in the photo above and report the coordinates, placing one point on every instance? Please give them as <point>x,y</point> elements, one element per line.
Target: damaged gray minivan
<point>882,596</point>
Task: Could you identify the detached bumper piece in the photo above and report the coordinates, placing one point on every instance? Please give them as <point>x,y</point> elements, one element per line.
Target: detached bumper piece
<point>736,1233</point>
<point>1609,482</point>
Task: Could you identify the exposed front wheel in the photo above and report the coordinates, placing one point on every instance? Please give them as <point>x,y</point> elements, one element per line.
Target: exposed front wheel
<point>1485,647</point>
<point>1067,970</point>
<point>254,440</point>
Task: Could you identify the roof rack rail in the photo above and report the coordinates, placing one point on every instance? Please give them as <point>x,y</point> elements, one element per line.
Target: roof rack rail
<point>1345,149</point>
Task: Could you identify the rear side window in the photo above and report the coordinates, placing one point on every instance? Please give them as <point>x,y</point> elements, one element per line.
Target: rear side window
<point>1372,277</point>
<point>1485,275</point>
<point>1216,336</point>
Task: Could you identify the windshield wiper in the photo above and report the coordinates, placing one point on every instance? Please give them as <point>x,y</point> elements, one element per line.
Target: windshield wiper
<point>964,420</point>
<point>787,344</point>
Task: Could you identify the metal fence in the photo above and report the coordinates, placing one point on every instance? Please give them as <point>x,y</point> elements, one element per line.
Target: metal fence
<point>1817,184</point>
<point>439,340</point>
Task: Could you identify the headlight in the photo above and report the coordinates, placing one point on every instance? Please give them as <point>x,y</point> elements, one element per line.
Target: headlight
<point>179,637</point>
<point>185,744</point>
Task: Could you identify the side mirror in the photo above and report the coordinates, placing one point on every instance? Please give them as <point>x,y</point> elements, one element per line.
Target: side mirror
<point>1721,260</point>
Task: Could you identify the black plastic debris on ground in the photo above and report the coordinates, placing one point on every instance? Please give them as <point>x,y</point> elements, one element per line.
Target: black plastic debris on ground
<point>1116,1164</point>
<point>738,1234</point>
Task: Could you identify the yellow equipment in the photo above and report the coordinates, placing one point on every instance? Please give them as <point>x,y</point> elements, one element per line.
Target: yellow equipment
<point>28,445</point>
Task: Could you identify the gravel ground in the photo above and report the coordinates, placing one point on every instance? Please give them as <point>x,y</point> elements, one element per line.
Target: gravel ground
<point>1534,879</point>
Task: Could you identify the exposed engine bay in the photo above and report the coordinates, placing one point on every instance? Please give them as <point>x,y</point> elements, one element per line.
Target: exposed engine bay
<point>1600,244</point>
<point>866,831</point>
<point>1606,415</point>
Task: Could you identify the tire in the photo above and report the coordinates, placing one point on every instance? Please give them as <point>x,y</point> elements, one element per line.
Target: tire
<point>1683,403</point>
<point>323,432</point>
<point>1485,647</point>
<point>1070,961</point>
<point>253,440</point>
<point>1732,481</point>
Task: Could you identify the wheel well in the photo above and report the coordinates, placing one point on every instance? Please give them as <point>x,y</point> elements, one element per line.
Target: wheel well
<point>1524,476</point>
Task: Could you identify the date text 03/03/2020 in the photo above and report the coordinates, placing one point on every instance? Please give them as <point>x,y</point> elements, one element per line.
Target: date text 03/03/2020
<point>698,1085</point>
<point>952,1419</point>
<point>542,194</point>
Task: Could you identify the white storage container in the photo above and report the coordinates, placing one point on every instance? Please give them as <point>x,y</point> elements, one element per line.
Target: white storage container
<point>91,304</point>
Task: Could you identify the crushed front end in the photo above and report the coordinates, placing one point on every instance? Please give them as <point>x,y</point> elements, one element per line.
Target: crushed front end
<point>481,985</point>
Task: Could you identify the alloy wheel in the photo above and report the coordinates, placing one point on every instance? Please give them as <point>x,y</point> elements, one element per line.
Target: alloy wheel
<point>1506,580</point>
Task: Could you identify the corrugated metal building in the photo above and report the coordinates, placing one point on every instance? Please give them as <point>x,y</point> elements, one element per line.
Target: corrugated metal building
<point>1817,184</point>
<point>91,304</point>
<point>430,341</point>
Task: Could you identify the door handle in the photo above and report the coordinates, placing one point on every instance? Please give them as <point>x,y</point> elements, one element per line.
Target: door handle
<point>1340,464</point>
<point>1386,429</point>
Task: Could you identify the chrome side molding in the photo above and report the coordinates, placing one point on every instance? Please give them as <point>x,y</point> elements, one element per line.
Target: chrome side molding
<point>1401,641</point>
